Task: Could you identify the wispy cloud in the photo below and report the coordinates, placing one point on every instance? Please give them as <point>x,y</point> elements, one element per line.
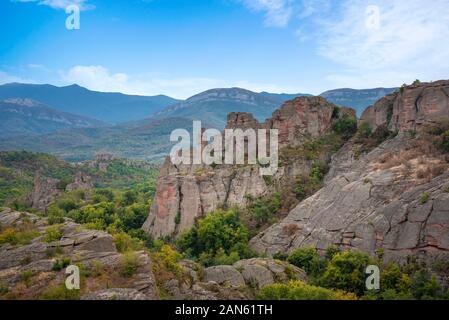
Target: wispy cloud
<point>277,12</point>
<point>101,79</point>
<point>408,40</point>
<point>61,4</point>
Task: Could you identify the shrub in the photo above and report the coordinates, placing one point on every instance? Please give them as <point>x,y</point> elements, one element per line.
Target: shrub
<point>308,260</point>
<point>425,286</point>
<point>17,237</point>
<point>26,277</point>
<point>364,131</point>
<point>168,259</point>
<point>124,242</point>
<point>60,264</point>
<point>424,198</point>
<point>262,210</point>
<point>129,264</point>
<point>220,230</point>
<point>345,126</point>
<point>53,233</point>
<point>298,290</point>
<point>60,292</point>
<point>55,215</point>
<point>346,271</point>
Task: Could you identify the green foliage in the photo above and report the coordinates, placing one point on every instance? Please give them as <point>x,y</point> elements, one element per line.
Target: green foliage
<point>346,271</point>
<point>308,185</point>
<point>262,210</point>
<point>129,264</point>
<point>18,236</point>
<point>60,292</point>
<point>125,243</point>
<point>53,233</point>
<point>55,215</point>
<point>218,232</point>
<point>364,131</point>
<point>424,198</point>
<point>166,259</point>
<point>60,264</point>
<point>298,290</point>
<point>26,277</point>
<point>308,260</point>
<point>345,126</point>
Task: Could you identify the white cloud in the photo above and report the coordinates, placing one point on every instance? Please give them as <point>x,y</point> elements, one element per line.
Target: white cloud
<point>7,78</point>
<point>100,78</point>
<point>409,41</point>
<point>277,12</point>
<point>60,4</point>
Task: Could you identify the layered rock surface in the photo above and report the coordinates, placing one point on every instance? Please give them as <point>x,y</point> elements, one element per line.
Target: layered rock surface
<point>90,248</point>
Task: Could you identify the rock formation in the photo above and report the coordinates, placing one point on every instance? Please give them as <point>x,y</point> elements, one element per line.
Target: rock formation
<point>412,108</point>
<point>187,192</point>
<point>394,199</point>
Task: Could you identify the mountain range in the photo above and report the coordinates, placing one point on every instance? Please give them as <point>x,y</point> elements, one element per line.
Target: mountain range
<point>103,106</point>
<point>75,123</point>
<point>28,117</point>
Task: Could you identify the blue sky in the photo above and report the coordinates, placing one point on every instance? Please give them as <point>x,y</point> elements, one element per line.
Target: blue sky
<point>182,47</point>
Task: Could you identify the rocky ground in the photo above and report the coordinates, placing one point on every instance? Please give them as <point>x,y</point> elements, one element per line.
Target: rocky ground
<point>33,267</point>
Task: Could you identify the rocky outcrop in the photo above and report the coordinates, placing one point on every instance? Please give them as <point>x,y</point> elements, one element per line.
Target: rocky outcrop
<point>411,108</point>
<point>235,282</point>
<point>394,198</point>
<point>45,191</point>
<point>82,182</point>
<point>187,192</point>
<point>94,250</point>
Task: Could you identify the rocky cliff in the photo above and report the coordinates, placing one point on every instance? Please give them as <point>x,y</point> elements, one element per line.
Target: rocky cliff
<point>411,108</point>
<point>187,192</point>
<point>393,199</point>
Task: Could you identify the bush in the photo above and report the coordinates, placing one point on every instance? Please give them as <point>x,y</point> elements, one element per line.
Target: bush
<point>221,230</point>
<point>129,264</point>
<point>262,210</point>
<point>17,237</point>
<point>364,130</point>
<point>298,290</point>
<point>346,271</point>
<point>124,242</point>
<point>53,233</point>
<point>308,260</point>
<point>61,264</point>
<point>55,215</point>
<point>60,293</point>
<point>424,198</point>
<point>168,259</point>
<point>345,126</point>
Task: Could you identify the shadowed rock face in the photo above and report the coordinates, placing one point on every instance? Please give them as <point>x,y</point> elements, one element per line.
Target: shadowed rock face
<point>412,108</point>
<point>187,192</point>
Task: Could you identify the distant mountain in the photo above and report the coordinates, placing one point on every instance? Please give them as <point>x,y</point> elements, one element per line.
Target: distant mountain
<point>214,105</point>
<point>28,117</point>
<point>284,96</point>
<point>109,107</point>
<point>357,99</point>
<point>147,140</point>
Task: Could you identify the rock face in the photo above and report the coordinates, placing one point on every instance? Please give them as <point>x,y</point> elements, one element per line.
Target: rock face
<point>394,198</point>
<point>187,192</point>
<point>82,182</point>
<point>45,191</point>
<point>412,108</point>
<point>238,281</point>
<point>92,249</point>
